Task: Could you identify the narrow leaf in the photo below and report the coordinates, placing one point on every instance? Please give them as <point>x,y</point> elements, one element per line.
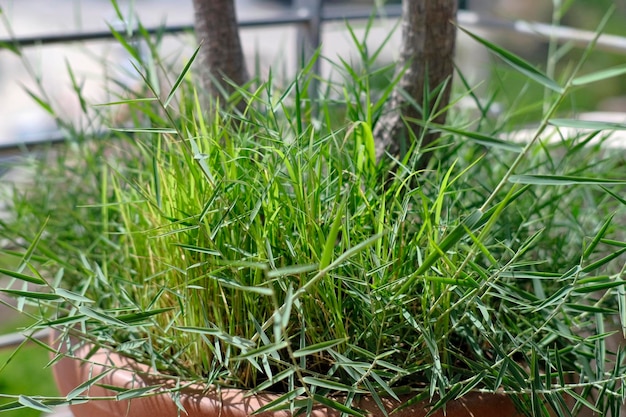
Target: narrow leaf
<point>337,405</point>
<point>104,318</point>
<point>518,63</point>
<point>318,347</point>
<point>562,180</point>
<point>481,139</point>
<point>34,404</point>
<point>69,295</point>
<point>599,75</point>
<point>263,350</point>
<point>181,77</point>
<point>23,277</point>
<point>587,124</point>
<point>87,384</point>
<point>136,392</point>
<point>32,294</point>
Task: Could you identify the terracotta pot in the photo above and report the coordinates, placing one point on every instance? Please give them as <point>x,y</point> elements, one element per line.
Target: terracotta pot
<point>199,401</point>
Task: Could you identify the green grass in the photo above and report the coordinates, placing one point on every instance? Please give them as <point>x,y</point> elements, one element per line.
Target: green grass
<point>268,249</point>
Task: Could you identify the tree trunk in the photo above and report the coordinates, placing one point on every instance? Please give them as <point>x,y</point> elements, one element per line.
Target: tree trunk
<point>221,55</point>
<point>428,39</point>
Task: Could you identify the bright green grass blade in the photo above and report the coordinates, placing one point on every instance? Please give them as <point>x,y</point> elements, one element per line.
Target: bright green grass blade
<point>562,180</point>
<point>450,240</point>
<point>598,237</point>
<point>518,63</point>
<point>599,75</point>
<point>42,102</point>
<point>32,294</point>
<point>22,277</point>
<point>181,77</point>
<point>604,261</point>
<point>331,239</point>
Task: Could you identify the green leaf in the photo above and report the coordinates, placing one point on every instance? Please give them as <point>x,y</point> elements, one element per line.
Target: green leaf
<point>331,239</point>
<point>518,63</point>
<point>562,180</point>
<point>586,289</point>
<point>150,130</point>
<point>132,318</point>
<point>291,270</point>
<point>282,401</point>
<point>337,405</point>
<point>87,384</point>
<point>136,392</point>
<point>263,350</point>
<point>318,347</point>
<point>589,309</point>
<point>69,295</point>
<point>198,249</point>
<point>599,75</point>
<point>32,294</point>
<point>587,124</point>
<point>128,101</point>
<point>329,384</point>
<point>23,277</point>
<point>34,404</point>
<point>598,237</point>
<point>481,139</point>
<point>181,77</point>
<point>450,240</point>
<point>42,103</point>
<point>101,317</point>
<point>603,261</point>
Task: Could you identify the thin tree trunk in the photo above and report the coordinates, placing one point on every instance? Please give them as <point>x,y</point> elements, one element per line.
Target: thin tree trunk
<point>221,54</point>
<point>428,39</point>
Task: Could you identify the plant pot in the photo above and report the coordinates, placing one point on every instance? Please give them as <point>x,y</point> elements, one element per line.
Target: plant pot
<point>199,401</point>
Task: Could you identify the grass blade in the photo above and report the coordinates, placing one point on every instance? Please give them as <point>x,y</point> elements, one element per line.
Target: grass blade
<point>562,180</point>
<point>181,77</point>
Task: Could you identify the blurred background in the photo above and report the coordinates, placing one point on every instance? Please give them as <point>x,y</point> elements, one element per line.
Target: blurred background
<point>22,120</point>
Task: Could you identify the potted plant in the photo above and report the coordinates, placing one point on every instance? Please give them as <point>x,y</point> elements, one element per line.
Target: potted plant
<point>210,251</point>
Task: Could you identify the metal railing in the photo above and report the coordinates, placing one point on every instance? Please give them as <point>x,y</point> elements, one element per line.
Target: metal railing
<point>309,15</point>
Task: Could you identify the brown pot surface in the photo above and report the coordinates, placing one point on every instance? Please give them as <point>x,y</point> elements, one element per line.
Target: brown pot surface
<point>200,402</point>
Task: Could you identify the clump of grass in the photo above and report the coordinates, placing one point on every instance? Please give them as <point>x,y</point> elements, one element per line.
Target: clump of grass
<point>268,250</point>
